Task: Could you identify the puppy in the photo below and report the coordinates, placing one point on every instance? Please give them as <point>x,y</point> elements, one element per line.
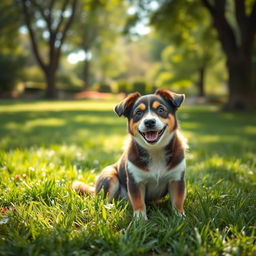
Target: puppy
<point>153,163</point>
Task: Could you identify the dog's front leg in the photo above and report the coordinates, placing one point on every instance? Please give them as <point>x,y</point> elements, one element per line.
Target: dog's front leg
<point>136,193</point>
<point>177,195</point>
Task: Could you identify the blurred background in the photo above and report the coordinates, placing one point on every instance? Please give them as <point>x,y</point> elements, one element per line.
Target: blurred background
<point>96,48</point>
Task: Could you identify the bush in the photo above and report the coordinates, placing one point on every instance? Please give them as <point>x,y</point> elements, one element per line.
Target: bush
<point>10,66</point>
<point>102,87</point>
<point>139,86</point>
<point>68,81</point>
<point>143,87</point>
<point>124,86</point>
<point>33,74</point>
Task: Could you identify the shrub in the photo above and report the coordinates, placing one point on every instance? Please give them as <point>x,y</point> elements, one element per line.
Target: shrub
<point>102,87</point>
<point>10,66</point>
<point>143,87</point>
<point>69,82</point>
<point>124,86</point>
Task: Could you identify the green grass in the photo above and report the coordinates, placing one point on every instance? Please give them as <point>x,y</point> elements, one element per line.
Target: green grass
<point>46,145</point>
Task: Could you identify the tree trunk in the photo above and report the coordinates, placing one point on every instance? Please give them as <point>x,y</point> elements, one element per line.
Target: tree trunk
<point>201,91</point>
<point>242,92</point>
<point>50,77</point>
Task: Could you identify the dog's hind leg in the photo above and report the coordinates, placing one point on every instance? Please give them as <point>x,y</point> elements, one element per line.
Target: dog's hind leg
<point>108,181</point>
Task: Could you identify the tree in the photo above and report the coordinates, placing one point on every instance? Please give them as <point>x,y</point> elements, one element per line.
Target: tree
<point>96,31</point>
<point>191,34</point>
<point>185,26</point>
<point>48,21</point>
<point>85,32</point>
<point>237,41</point>
<point>235,23</point>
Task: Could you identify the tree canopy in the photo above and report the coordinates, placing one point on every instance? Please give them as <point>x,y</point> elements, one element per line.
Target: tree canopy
<point>196,46</point>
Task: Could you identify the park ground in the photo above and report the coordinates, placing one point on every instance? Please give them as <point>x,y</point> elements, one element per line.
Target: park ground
<point>45,145</point>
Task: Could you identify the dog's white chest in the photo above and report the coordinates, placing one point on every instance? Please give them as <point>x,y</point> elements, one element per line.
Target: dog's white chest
<point>157,167</point>
<point>157,177</point>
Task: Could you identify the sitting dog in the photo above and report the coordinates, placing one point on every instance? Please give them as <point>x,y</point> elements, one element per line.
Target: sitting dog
<point>153,163</point>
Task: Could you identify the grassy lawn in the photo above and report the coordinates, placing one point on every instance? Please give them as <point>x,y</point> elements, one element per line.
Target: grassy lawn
<point>46,145</point>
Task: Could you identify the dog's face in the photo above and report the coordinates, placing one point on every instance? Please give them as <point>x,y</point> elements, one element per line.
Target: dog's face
<point>151,118</point>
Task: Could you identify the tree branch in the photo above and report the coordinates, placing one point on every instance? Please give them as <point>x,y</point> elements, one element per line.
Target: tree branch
<point>27,19</point>
<point>61,19</point>
<point>57,50</point>
<point>47,18</point>
<point>69,22</point>
<point>50,10</point>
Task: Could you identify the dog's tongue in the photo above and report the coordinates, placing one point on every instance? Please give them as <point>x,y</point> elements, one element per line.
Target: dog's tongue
<point>151,136</point>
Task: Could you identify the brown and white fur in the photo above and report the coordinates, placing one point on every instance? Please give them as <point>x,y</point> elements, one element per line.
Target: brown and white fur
<point>153,163</point>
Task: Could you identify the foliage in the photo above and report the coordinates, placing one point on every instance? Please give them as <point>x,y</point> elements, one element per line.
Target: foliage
<point>96,31</point>
<point>234,22</point>
<point>8,25</point>
<point>33,77</point>
<point>68,81</point>
<point>187,28</point>
<point>45,145</point>
<point>124,86</point>
<point>11,56</point>
<point>142,87</point>
<point>11,67</point>
<point>102,87</point>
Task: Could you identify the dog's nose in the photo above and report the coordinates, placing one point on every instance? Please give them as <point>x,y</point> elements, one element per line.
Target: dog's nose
<point>150,123</point>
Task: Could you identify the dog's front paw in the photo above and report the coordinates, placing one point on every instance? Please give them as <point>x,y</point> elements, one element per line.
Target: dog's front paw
<point>140,214</point>
<point>179,214</point>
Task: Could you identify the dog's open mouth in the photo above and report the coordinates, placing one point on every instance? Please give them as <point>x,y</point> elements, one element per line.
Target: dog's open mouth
<point>152,136</point>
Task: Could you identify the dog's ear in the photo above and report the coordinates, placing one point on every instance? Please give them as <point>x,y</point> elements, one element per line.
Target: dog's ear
<point>124,107</point>
<point>175,98</point>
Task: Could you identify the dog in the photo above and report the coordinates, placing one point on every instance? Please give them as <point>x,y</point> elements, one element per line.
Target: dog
<point>153,163</point>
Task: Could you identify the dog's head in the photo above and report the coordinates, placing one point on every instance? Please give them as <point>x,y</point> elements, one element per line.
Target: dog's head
<point>151,118</point>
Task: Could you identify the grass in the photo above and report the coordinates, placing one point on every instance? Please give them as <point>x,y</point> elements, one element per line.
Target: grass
<point>46,145</point>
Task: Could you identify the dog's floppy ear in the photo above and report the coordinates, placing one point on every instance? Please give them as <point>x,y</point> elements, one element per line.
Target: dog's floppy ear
<point>175,98</point>
<point>124,107</point>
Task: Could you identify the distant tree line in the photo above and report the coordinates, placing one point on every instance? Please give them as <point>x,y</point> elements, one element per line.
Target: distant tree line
<point>189,41</point>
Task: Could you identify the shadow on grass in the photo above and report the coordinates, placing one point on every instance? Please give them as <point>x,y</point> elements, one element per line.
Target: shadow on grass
<point>210,131</point>
<point>205,128</point>
<point>26,129</point>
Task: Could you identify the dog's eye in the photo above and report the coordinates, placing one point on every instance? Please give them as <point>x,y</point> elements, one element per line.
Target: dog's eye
<point>160,110</point>
<point>138,112</point>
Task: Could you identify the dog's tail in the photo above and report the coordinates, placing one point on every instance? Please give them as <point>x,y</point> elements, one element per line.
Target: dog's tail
<point>82,188</point>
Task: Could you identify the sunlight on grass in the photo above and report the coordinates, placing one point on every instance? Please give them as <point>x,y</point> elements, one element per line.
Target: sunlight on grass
<point>56,106</point>
<point>37,122</point>
<point>44,146</point>
<point>250,129</point>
